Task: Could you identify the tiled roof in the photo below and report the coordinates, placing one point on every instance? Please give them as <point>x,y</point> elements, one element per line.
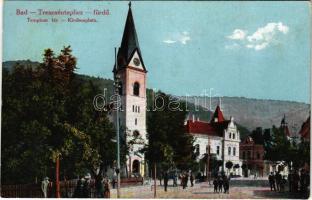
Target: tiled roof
<point>206,128</point>
<point>305,129</point>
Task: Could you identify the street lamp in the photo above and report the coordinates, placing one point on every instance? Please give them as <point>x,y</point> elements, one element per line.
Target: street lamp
<point>117,88</point>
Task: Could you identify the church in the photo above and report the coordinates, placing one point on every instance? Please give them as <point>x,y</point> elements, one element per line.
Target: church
<point>130,72</point>
<point>221,136</point>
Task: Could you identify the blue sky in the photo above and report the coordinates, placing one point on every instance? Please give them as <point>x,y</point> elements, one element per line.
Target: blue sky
<point>251,49</point>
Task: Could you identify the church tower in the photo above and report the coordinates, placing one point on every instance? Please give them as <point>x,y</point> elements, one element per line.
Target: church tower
<point>131,71</point>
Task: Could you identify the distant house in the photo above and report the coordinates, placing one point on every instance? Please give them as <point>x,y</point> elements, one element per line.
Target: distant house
<point>305,130</point>
<point>252,156</point>
<point>220,135</point>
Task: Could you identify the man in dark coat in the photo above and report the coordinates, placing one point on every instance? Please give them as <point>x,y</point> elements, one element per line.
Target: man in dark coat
<point>215,185</point>
<point>192,179</point>
<point>225,184</point>
<point>87,187</point>
<point>166,181</point>
<point>278,178</point>
<point>78,193</point>
<point>220,183</point>
<point>272,181</point>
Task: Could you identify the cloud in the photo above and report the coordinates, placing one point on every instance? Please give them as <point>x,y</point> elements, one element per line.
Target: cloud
<point>237,34</point>
<point>262,37</point>
<point>169,41</point>
<point>183,38</point>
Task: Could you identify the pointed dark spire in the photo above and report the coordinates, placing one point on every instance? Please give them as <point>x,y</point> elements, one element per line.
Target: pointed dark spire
<point>129,42</point>
<point>217,116</point>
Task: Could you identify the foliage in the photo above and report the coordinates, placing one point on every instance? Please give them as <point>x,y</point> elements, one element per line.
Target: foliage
<point>48,111</point>
<point>169,145</point>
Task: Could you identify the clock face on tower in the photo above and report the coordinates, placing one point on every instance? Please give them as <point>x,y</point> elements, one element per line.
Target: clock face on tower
<point>136,61</point>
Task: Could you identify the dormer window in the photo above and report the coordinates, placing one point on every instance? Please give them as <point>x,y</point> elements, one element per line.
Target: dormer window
<point>136,89</point>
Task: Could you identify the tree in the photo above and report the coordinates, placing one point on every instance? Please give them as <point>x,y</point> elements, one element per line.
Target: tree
<point>229,165</point>
<point>44,117</point>
<point>169,145</point>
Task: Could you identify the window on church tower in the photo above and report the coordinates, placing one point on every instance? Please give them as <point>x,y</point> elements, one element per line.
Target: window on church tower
<point>229,151</point>
<point>234,151</point>
<point>138,109</point>
<point>136,89</point>
<point>234,136</point>
<point>120,88</point>
<point>218,150</point>
<point>230,135</point>
<point>136,121</point>
<point>133,108</point>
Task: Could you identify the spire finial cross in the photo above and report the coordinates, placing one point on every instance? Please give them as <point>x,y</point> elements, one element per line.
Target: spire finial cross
<point>129,4</point>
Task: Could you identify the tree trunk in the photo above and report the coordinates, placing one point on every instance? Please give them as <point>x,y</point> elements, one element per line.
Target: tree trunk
<point>57,174</point>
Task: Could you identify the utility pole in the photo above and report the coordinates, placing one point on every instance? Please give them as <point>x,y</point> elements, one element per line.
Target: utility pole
<point>57,176</point>
<point>208,162</point>
<point>155,182</point>
<point>117,86</point>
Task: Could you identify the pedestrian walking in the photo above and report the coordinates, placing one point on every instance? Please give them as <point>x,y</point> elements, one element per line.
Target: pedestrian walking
<point>220,183</point>
<point>296,179</point>
<point>186,178</point>
<point>290,181</point>
<point>44,187</point>
<point>272,181</point>
<point>215,185</point>
<point>175,180</point>
<point>87,187</point>
<point>113,182</point>
<point>278,179</point>
<point>283,183</point>
<point>78,193</point>
<point>99,186</point>
<point>106,188</point>
<point>183,179</point>
<point>225,184</point>
<point>192,179</point>
<point>165,181</point>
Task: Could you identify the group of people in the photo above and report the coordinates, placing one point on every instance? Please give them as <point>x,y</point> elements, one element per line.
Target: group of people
<point>184,177</point>
<point>296,182</point>
<point>83,187</point>
<point>221,181</point>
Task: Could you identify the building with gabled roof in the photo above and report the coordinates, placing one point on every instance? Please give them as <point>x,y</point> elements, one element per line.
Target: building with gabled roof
<point>221,135</point>
<point>305,130</point>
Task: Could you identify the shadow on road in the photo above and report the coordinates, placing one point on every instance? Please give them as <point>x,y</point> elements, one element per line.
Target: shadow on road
<point>279,195</point>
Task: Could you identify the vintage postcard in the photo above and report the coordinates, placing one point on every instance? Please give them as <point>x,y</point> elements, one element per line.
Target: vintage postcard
<point>156,99</point>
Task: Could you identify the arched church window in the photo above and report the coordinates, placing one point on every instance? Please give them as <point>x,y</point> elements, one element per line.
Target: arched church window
<point>234,151</point>
<point>136,133</point>
<point>138,109</point>
<point>234,136</point>
<point>230,135</point>
<point>136,121</point>
<point>133,108</point>
<point>229,151</point>
<point>136,89</point>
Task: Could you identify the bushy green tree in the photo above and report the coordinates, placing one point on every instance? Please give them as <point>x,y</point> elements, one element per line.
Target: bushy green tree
<point>48,112</point>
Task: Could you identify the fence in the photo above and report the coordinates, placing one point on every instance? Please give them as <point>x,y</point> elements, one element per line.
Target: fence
<point>67,188</point>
